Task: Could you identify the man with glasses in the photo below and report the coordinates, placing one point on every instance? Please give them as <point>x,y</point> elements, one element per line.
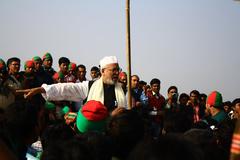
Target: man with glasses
<point>106,89</point>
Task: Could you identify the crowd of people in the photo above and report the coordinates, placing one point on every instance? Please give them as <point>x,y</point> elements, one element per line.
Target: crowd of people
<point>47,114</point>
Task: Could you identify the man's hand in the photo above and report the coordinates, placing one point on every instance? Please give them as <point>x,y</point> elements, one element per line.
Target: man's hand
<point>117,111</point>
<point>28,93</point>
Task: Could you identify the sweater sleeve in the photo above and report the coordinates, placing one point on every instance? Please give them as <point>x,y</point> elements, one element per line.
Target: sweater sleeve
<point>66,91</point>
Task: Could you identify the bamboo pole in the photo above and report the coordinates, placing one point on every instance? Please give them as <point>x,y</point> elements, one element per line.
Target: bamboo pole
<point>128,48</point>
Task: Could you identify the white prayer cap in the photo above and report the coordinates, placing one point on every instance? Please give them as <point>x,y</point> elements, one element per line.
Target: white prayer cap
<point>107,60</point>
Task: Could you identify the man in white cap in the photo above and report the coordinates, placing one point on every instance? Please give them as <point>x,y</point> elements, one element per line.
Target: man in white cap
<point>106,89</point>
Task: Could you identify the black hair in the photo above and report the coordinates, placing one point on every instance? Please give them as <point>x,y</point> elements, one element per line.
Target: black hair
<point>155,81</point>
<point>172,87</point>
<point>95,68</point>
<point>63,60</point>
<point>81,66</point>
<point>13,59</point>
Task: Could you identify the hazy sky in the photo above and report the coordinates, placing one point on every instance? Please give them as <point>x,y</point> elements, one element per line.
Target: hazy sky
<point>193,44</point>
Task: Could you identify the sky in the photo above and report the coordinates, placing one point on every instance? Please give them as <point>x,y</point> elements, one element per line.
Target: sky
<point>190,44</point>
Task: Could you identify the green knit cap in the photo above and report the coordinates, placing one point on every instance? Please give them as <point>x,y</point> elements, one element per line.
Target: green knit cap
<point>92,117</point>
<point>47,56</point>
<point>36,58</point>
<point>214,99</point>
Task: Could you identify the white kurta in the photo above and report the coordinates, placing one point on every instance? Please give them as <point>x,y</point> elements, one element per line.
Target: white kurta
<point>66,91</point>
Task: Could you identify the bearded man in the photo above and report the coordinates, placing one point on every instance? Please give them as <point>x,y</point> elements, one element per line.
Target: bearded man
<point>106,89</point>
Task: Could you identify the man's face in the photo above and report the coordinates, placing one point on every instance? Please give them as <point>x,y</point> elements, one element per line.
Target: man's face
<point>110,73</point>
<point>194,98</point>
<point>81,73</point>
<point>134,82</point>
<point>173,94</point>
<point>29,69</point>
<point>236,110</point>
<point>155,88</point>
<point>14,67</point>
<point>38,65</point>
<point>64,68</point>
<point>123,79</point>
<point>47,63</point>
<point>94,74</point>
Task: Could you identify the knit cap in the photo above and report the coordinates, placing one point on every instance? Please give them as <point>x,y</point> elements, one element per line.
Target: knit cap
<point>29,63</point>
<point>214,99</point>
<point>72,66</point>
<point>122,74</point>
<point>58,75</point>
<point>36,59</point>
<point>92,117</point>
<point>47,56</point>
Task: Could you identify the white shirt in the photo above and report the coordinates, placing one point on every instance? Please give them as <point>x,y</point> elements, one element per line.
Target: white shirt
<point>66,91</point>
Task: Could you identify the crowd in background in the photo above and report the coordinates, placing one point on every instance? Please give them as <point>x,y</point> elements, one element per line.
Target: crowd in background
<point>180,125</point>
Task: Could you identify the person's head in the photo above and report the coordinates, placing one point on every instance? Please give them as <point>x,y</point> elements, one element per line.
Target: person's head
<point>173,93</point>
<point>142,84</point>
<point>72,68</point>
<point>13,65</point>
<point>92,117</point>
<point>194,96</point>
<point>214,102</point>
<point>63,63</point>
<point>3,70</point>
<point>38,62</point>
<point>47,60</point>
<point>125,129</point>
<point>155,85</point>
<point>134,81</point>
<point>81,72</point>
<point>122,78</point>
<point>202,99</point>
<point>29,66</point>
<point>236,107</point>
<point>94,72</point>
<point>183,99</point>
<point>70,149</point>
<point>167,147</point>
<point>109,70</point>
<point>227,106</point>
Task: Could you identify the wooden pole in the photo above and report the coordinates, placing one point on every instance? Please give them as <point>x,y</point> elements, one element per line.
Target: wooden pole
<point>128,44</point>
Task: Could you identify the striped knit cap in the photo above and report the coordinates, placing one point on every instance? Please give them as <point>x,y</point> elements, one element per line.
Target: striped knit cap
<point>47,56</point>
<point>72,66</point>
<point>92,117</point>
<point>214,99</point>
<point>29,63</point>
<point>58,75</point>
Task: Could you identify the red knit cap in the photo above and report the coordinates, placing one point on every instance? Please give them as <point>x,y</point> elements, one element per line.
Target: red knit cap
<point>58,75</point>
<point>92,116</point>
<point>214,99</point>
<point>122,74</point>
<point>29,63</point>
